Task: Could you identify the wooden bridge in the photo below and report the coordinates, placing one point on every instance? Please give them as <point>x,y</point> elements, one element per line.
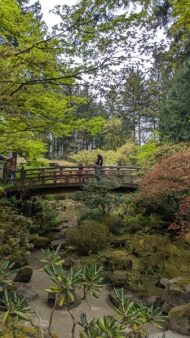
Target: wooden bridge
<point>64,179</point>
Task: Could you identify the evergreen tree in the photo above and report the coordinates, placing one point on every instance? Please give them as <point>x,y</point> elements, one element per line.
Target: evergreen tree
<point>175,111</point>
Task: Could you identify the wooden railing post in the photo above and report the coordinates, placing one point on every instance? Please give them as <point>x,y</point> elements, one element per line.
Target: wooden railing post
<point>5,173</point>
<point>42,176</point>
<point>22,174</point>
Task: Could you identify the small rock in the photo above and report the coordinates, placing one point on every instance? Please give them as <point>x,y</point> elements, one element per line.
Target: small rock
<point>24,274</point>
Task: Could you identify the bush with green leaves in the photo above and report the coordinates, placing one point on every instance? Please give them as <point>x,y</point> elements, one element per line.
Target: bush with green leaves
<point>89,237</point>
<point>124,155</point>
<point>98,194</point>
<point>44,215</point>
<point>152,251</point>
<point>140,222</point>
<point>14,236</point>
<point>114,223</point>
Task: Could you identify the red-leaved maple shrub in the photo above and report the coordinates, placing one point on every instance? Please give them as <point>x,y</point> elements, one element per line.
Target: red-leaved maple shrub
<point>166,185</point>
<point>181,225</point>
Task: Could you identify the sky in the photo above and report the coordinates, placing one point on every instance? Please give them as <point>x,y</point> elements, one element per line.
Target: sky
<point>47,5</point>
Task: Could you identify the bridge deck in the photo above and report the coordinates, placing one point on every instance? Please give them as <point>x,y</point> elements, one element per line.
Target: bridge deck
<point>52,179</point>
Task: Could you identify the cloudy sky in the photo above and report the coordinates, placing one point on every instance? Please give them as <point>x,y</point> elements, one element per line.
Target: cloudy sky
<point>49,18</point>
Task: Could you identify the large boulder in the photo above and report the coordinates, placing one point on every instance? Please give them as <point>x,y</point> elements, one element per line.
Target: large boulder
<point>177,292</point>
<point>179,319</point>
<point>24,274</point>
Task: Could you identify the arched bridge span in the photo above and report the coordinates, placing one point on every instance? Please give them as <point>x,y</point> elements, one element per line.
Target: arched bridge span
<point>57,179</point>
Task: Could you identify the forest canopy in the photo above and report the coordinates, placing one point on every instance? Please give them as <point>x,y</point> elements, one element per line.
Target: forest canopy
<point>107,66</point>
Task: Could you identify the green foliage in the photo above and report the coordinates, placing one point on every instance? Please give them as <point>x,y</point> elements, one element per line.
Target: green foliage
<point>147,152</point>
<point>174,115</point>
<point>92,214</point>
<point>151,250</point>
<point>90,237</point>
<point>114,134</point>
<point>128,313</point>
<point>14,239</point>
<point>52,257</point>
<point>44,216</point>
<point>15,307</point>
<point>88,157</point>
<point>104,327</point>
<point>140,222</point>
<point>135,315</point>
<point>124,155</point>
<point>6,270</point>
<point>97,194</point>
<point>114,223</point>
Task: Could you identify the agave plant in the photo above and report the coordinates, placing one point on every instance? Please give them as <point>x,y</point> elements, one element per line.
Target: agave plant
<point>107,327</point>
<point>15,307</point>
<point>136,315</point>
<point>6,269</point>
<point>52,256</point>
<point>92,278</point>
<point>66,283</point>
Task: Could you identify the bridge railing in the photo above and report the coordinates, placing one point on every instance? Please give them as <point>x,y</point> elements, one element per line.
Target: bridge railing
<point>69,175</point>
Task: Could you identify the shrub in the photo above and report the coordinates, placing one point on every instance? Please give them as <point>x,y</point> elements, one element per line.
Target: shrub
<point>90,214</point>
<point>98,195</point>
<point>151,250</point>
<point>90,236</point>
<point>114,223</point>
<point>139,222</point>
<point>14,236</point>
<point>44,215</point>
<point>181,225</point>
<point>163,187</point>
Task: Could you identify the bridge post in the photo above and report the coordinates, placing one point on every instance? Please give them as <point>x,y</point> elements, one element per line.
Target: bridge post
<point>5,172</point>
<point>22,174</point>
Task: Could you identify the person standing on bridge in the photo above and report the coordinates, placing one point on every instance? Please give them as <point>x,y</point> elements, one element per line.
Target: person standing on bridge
<point>11,167</point>
<point>80,173</point>
<point>99,164</point>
